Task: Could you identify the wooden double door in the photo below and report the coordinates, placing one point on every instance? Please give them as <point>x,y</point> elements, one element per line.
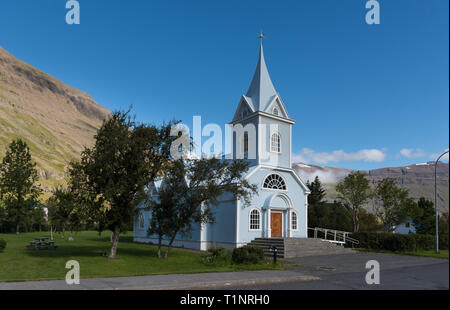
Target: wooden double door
<point>276,224</point>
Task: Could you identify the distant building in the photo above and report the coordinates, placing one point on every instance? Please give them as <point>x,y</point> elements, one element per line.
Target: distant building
<point>405,228</point>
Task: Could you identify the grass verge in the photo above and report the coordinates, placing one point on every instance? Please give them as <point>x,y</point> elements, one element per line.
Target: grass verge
<point>443,254</point>
<point>17,263</point>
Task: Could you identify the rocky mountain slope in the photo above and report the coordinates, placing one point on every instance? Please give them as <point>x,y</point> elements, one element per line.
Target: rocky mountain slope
<point>417,178</point>
<point>55,119</point>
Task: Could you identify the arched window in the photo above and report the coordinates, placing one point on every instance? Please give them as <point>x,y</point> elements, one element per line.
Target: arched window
<point>275,143</point>
<point>294,220</point>
<point>141,221</point>
<point>255,219</point>
<point>275,111</point>
<point>246,142</point>
<point>275,181</point>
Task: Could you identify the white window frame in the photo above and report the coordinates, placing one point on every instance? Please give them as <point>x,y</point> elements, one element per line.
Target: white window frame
<point>245,137</point>
<point>274,189</point>
<point>296,220</point>
<point>272,144</point>
<point>141,215</point>
<point>250,220</point>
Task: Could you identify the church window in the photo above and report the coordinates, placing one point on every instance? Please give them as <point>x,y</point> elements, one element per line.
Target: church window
<point>294,221</point>
<point>275,111</point>
<point>245,142</point>
<point>141,221</point>
<point>275,181</point>
<point>255,220</point>
<point>275,143</point>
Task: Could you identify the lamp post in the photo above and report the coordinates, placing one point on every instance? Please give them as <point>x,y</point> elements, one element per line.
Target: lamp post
<point>435,201</point>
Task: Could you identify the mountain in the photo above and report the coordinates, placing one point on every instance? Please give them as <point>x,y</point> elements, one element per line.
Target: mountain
<point>417,178</point>
<point>56,120</point>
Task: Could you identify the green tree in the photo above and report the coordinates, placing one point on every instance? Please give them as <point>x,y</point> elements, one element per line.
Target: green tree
<point>190,189</point>
<point>317,192</point>
<point>354,191</point>
<point>63,213</point>
<point>369,221</point>
<point>391,204</point>
<point>330,215</point>
<point>18,183</point>
<point>37,218</point>
<point>3,219</point>
<point>424,219</point>
<point>109,180</point>
<point>443,223</point>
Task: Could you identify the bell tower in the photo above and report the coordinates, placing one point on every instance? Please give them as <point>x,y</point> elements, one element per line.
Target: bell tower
<point>262,129</point>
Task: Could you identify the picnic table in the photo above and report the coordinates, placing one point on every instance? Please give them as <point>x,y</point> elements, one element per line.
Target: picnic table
<point>41,243</point>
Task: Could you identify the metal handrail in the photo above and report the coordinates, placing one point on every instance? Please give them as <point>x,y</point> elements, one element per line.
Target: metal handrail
<point>338,236</point>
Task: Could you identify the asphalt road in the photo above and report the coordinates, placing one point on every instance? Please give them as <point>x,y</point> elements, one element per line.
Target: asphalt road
<point>348,272</point>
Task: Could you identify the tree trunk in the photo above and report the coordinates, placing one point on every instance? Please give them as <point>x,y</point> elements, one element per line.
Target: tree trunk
<point>17,229</point>
<point>169,246</point>
<point>159,245</point>
<point>51,232</point>
<point>111,235</point>
<point>355,221</point>
<point>115,243</point>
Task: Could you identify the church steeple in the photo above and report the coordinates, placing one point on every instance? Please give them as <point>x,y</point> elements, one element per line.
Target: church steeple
<point>261,91</point>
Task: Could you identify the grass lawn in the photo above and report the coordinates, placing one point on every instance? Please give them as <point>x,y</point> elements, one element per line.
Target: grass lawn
<point>17,263</point>
<point>430,253</point>
<point>443,254</point>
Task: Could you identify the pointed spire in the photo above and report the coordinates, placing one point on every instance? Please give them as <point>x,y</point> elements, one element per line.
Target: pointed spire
<point>261,90</point>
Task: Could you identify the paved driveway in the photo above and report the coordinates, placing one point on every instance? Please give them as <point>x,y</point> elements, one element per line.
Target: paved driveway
<point>347,271</point>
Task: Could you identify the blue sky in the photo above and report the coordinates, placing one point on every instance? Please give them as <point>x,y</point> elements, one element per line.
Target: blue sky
<point>363,96</point>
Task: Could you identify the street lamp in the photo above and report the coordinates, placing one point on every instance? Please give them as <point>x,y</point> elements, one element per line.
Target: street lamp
<point>435,201</point>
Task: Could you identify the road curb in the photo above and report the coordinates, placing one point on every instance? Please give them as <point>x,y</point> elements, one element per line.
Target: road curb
<point>226,284</point>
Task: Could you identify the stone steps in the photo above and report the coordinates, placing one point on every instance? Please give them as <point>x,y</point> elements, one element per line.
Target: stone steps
<point>299,247</point>
<point>267,243</point>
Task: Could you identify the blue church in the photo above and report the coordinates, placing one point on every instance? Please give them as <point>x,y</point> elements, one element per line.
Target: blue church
<point>279,209</point>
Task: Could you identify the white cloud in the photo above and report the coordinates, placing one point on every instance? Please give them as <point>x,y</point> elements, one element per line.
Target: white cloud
<point>411,153</point>
<point>327,177</point>
<point>307,155</point>
<point>419,153</point>
<point>434,156</point>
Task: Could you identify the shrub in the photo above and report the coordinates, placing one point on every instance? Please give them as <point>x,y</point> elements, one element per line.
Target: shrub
<point>248,255</point>
<point>2,245</point>
<point>424,242</point>
<point>398,242</point>
<point>385,241</point>
<point>443,241</point>
<point>217,256</point>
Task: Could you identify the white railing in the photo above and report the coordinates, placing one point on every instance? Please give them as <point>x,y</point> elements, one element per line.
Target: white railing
<point>334,236</point>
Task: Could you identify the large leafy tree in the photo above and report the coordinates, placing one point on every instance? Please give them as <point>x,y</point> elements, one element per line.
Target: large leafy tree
<point>443,223</point>
<point>354,191</point>
<point>109,181</point>
<point>329,215</point>
<point>391,203</point>
<point>18,183</point>
<point>424,219</point>
<point>189,192</point>
<point>63,211</point>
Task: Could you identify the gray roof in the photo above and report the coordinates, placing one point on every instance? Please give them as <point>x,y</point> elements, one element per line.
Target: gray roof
<point>261,91</point>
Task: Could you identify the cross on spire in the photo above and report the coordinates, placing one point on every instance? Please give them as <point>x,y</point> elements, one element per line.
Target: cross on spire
<point>261,36</point>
